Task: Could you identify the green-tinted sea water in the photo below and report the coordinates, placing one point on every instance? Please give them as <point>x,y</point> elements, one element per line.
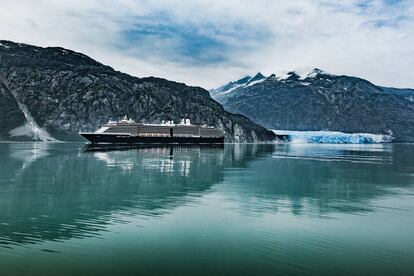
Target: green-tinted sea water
<point>66,209</point>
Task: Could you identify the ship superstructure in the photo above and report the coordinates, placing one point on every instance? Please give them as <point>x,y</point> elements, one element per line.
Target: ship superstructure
<point>128,131</point>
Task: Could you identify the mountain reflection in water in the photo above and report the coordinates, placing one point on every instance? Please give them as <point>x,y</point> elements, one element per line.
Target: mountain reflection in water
<point>71,193</point>
<point>60,191</point>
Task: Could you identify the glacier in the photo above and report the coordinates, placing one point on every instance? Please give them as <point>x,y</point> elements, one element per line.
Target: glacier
<point>334,137</point>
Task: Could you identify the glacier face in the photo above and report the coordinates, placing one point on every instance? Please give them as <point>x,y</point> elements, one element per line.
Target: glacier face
<point>334,137</point>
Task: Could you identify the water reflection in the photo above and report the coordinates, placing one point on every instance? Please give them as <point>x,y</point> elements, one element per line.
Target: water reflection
<point>59,191</point>
<point>319,180</point>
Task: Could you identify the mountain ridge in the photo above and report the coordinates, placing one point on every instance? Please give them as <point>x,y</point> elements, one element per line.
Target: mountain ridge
<point>62,92</point>
<point>323,101</point>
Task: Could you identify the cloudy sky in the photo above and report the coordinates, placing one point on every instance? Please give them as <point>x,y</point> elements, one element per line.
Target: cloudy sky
<point>208,43</point>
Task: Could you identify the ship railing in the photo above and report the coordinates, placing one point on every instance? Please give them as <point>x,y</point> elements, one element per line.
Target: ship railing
<point>186,135</point>
<point>153,135</point>
<point>108,133</point>
<point>175,135</point>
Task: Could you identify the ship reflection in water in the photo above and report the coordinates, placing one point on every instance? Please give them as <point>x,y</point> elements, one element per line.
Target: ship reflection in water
<point>234,209</point>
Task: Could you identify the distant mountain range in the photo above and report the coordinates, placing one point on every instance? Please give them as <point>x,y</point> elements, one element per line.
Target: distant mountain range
<point>321,101</point>
<point>53,93</point>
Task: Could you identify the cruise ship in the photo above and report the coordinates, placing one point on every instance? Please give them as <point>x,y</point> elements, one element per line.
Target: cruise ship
<point>127,131</point>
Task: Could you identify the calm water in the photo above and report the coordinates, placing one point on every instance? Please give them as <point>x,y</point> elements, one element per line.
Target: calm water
<point>243,209</point>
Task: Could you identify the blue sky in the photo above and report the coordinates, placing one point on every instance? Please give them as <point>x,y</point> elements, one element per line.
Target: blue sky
<point>188,44</point>
<point>207,43</point>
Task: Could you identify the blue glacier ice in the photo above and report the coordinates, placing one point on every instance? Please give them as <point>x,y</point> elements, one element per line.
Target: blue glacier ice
<point>334,137</point>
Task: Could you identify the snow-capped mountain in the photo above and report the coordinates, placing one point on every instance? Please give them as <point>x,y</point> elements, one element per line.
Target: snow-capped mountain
<point>231,86</point>
<point>317,100</point>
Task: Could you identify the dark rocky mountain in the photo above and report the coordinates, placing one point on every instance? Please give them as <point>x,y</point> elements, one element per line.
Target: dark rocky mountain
<point>321,101</point>
<point>53,93</point>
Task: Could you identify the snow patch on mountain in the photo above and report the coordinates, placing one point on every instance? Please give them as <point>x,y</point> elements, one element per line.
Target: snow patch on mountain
<point>243,82</point>
<point>254,82</point>
<point>282,76</point>
<point>232,89</point>
<point>301,74</point>
<point>315,72</point>
<point>31,128</point>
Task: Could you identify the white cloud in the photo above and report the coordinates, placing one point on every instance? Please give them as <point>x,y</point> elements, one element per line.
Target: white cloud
<point>371,39</point>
